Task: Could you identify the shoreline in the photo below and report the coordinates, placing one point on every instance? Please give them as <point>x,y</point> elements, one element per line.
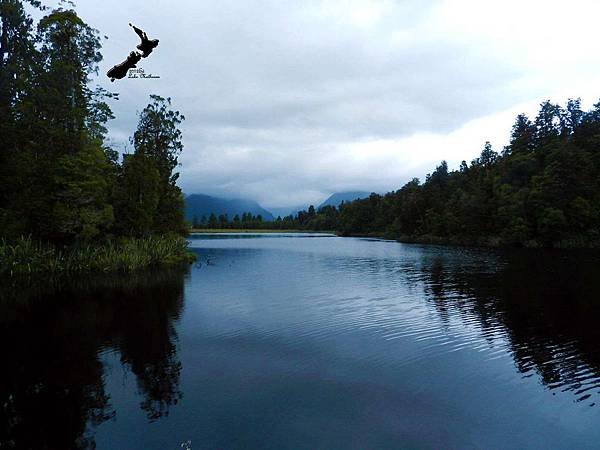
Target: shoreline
<point>241,230</point>
<point>483,242</point>
<point>453,241</point>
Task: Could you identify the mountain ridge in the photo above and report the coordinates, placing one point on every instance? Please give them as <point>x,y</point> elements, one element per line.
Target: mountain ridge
<point>337,198</point>
<point>199,205</point>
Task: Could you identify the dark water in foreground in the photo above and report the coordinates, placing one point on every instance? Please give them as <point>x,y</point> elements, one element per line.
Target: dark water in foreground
<point>309,342</point>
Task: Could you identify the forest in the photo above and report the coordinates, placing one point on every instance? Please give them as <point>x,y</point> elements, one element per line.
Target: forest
<point>541,190</point>
<point>68,201</point>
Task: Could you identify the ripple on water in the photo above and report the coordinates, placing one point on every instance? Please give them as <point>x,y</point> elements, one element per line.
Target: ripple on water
<point>440,301</point>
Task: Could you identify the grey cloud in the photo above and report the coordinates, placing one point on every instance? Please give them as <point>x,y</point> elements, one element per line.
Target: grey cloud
<point>273,90</point>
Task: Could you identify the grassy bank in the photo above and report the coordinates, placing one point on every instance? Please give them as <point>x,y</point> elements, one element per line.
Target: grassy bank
<point>26,256</point>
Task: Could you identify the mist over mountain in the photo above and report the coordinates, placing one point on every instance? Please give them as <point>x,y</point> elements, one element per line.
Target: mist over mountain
<point>333,200</point>
<point>204,205</point>
<point>339,197</point>
<point>287,210</point>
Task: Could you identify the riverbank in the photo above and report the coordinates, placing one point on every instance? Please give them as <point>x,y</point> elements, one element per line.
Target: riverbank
<point>26,256</point>
<point>498,242</point>
<point>460,241</point>
<point>483,241</point>
<point>241,230</point>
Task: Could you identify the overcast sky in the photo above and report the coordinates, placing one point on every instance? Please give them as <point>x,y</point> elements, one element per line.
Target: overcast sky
<point>288,101</point>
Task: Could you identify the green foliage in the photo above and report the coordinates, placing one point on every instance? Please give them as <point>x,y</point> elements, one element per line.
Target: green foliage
<point>83,181</point>
<point>552,224</point>
<point>137,196</point>
<point>542,190</point>
<point>59,182</point>
<point>18,62</point>
<point>147,197</point>
<point>159,137</point>
<point>25,255</point>
<point>56,176</point>
<point>70,53</point>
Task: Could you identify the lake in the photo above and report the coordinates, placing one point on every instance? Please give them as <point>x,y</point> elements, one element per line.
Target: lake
<point>309,341</point>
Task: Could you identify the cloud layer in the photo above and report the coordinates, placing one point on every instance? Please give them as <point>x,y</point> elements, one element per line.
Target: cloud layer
<point>288,101</point>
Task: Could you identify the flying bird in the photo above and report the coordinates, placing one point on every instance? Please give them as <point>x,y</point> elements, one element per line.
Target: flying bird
<point>147,45</point>
<point>120,70</point>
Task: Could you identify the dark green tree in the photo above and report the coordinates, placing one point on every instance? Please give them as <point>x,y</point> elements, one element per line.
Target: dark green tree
<point>136,197</point>
<point>19,64</point>
<point>79,181</point>
<point>213,222</point>
<point>61,177</point>
<point>159,138</point>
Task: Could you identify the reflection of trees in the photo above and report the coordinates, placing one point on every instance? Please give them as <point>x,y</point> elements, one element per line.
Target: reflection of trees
<point>544,303</point>
<point>146,342</point>
<point>51,382</point>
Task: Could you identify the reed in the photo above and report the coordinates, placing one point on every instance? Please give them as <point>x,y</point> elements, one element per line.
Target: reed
<point>27,256</point>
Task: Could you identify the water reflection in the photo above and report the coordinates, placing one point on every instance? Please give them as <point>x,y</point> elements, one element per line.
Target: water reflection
<point>468,345</point>
<point>52,392</point>
<point>331,342</point>
<point>544,304</point>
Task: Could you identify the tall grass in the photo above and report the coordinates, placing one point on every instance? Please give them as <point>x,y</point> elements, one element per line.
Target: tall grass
<point>26,256</point>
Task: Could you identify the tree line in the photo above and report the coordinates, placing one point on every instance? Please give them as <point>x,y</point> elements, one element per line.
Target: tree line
<point>543,189</point>
<point>222,221</point>
<point>60,181</point>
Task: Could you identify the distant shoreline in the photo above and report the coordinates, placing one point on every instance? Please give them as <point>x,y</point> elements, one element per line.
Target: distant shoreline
<point>483,242</point>
<point>240,230</point>
<point>454,241</point>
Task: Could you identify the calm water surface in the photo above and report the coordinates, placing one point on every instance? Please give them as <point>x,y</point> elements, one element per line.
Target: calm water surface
<point>309,341</point>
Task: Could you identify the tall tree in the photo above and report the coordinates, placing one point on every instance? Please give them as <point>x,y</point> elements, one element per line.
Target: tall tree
<point>157,143</point>
<point>76,166</point>
<point>18,66</point>
<point>136,196</point>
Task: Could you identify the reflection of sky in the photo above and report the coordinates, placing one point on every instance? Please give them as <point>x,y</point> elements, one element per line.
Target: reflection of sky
<point>288,342</point>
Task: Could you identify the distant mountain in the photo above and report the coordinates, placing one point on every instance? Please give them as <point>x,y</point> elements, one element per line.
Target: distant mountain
<point>290,210</point>
<point>339,197</point>
<point>203,205</point>
<point>333,200</point>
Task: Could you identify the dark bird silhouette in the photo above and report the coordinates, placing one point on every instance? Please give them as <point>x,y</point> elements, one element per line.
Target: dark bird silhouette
<point>120,70</point>
<point>147,45</point>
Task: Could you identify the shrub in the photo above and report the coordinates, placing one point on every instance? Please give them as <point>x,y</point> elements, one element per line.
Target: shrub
<point>27,256</point>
